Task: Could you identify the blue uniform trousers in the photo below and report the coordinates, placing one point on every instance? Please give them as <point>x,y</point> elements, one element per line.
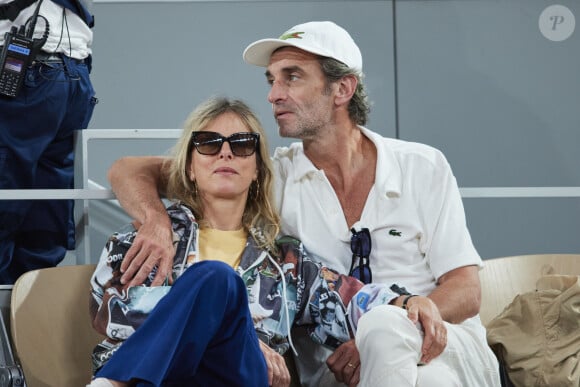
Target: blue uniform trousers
<point>36,151</point>
<point>200,334</point>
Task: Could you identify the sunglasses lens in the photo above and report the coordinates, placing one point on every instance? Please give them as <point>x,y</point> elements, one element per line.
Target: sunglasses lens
<point>210,143</point>
<point>363,274</point>
<point>243,144</point>
<point>207,143</point>
<point>360,244</point>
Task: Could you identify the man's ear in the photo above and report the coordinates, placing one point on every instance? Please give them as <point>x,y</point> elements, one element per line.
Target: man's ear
<point>346,89</point>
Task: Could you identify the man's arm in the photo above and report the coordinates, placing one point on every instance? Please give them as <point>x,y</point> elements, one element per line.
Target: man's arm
<point>456,298</point>
<point>458,294</point>
<point>137,183</point>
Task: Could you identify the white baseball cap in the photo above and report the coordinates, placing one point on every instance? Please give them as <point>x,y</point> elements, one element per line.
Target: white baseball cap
<point>323,38</point>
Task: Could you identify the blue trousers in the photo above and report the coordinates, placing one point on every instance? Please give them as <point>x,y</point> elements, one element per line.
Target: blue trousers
<point>200,334</point>
<point>36,151</point>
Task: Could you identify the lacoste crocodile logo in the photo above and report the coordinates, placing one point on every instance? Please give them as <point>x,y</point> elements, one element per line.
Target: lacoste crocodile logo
<point>394,232</point>
<point>292,35</point>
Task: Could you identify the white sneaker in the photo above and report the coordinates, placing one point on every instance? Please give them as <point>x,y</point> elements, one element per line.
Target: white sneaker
<point>100,382</point>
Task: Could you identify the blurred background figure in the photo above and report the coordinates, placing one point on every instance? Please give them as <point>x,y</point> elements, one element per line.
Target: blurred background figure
<point>45,96</point>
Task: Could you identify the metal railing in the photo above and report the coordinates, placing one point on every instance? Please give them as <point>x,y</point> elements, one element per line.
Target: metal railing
<point>86,190</point>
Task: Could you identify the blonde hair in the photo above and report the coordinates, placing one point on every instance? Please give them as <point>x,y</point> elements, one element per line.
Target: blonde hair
<point>259,215</point>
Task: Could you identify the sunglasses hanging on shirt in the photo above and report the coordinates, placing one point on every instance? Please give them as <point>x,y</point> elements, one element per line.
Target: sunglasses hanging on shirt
<point>360,244</point>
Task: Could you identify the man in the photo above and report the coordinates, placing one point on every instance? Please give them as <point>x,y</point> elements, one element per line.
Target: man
<point>37,124</point>
<point>340,180</point>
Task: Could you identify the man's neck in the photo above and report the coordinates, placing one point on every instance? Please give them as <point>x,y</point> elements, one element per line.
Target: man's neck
<point>348,160</point>
<point>340,152</point>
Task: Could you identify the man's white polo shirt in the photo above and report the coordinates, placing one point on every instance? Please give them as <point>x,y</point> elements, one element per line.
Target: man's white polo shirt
<point>414,213</point>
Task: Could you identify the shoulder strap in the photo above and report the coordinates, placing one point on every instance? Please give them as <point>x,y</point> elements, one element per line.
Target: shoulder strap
<point>11,10</point>
<point>79,8</point>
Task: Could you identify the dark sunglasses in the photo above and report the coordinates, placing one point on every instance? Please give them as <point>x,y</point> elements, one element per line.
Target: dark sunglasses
<point>210,143</point>
<point>360,244</point>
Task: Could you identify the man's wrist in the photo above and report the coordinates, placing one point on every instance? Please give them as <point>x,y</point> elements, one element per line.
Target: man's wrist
<point>403,296</point>
<point>405,304</point>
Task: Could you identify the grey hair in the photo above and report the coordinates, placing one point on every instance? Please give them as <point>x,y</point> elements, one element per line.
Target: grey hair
<point>359,106</point>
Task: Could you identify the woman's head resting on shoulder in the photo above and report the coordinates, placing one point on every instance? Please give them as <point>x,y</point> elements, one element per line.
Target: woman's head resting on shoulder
<point>222,157</point>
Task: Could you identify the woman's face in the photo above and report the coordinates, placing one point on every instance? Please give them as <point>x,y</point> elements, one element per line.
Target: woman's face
<point>224,175</point>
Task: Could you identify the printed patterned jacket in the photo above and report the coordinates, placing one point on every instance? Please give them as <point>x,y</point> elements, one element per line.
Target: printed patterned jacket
<point>286,288</point>
<point>118,310</point>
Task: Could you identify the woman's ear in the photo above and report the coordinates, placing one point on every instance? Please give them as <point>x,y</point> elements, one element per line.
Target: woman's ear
<point>257,174</point>
<point>189,169</point>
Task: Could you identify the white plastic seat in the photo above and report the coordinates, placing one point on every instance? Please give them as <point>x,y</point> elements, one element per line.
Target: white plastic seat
<point>504,278</point>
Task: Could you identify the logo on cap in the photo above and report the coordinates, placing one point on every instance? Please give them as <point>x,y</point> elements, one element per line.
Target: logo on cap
<point>292,35</point>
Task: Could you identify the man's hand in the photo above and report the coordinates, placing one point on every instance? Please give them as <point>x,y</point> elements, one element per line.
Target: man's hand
<point>423,310</point>
<point>278,374</point>
<point>153,246</point>
<point>137,182</point>
<point>345,364</point>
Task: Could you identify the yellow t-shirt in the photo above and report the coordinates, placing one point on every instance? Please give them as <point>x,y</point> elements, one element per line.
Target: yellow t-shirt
<point>225,246</point>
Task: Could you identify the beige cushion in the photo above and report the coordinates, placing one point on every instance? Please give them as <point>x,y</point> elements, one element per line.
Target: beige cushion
<point>51,329</point>
<point>504,278</point>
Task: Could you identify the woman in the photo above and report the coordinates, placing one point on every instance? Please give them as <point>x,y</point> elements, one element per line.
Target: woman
<point>200,331</point>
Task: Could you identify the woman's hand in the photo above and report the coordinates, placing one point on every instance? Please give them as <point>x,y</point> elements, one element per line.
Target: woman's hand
<point>278,374</point>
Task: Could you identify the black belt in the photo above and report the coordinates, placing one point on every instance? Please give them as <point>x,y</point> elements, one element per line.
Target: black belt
<point>51,57</point>
<point>46,57</point>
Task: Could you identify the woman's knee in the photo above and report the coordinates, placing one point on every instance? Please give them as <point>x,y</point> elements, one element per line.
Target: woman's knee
<point>208,271</point>
<point>211,276</point>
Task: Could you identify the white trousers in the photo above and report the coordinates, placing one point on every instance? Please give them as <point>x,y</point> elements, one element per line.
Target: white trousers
<point>390,346</point>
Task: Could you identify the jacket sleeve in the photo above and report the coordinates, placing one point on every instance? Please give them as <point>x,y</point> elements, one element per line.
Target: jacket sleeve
<point>105,281</point>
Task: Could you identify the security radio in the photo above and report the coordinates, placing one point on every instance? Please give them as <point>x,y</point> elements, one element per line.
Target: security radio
<point>18,52</point>
<point>16,56</point>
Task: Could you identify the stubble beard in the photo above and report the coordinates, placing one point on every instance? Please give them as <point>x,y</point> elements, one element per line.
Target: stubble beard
<point>300,129</point>
<point>298,132</point>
